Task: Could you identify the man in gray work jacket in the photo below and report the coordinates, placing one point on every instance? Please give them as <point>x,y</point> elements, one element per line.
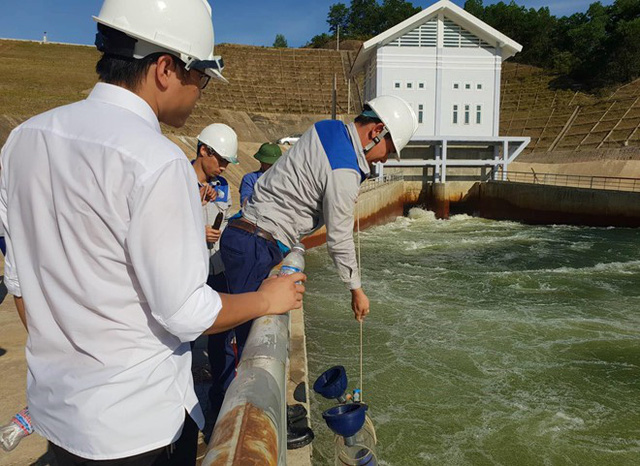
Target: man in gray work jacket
<point>314,183</point>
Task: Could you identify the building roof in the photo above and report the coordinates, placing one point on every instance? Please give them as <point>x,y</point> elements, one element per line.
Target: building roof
<point>453,12</point>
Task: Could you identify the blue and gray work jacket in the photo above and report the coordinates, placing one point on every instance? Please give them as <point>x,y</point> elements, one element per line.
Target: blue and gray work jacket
<point>315,183</point>
<point>221,204</point>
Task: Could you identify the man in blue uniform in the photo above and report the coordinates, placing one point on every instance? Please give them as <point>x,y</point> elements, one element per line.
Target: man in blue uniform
<point>267,155</point>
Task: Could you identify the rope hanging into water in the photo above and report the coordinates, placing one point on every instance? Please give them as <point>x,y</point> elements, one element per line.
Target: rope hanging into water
<point>362,321</point>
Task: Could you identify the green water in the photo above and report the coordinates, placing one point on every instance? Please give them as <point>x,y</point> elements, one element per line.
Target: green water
<point>489,343</point>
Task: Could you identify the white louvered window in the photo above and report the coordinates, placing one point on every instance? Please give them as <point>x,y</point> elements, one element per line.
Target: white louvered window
<point>425,35</point>
<point>458,37</point>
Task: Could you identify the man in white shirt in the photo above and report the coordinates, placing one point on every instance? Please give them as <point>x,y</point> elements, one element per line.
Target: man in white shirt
<point>106,253</point>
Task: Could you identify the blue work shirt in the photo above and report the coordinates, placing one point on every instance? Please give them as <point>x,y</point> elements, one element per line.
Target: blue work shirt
<point>247,184</point>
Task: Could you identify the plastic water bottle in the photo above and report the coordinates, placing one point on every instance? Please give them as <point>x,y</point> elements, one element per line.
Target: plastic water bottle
<point>18,428</point>
<point>294,262</point>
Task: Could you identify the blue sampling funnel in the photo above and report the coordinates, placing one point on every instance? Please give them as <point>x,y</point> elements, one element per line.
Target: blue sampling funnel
<point>346,420</point>
<point>332,384</point>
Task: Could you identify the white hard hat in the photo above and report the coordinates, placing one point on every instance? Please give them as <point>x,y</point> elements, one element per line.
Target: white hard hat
<point>222,139</point>
<point>398,117</point>
<point>180,27</point>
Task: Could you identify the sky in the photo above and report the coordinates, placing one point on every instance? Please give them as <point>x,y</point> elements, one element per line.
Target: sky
<point>250,22</point>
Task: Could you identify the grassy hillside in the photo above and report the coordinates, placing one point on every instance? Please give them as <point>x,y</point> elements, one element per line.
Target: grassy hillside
<point>273,92</point>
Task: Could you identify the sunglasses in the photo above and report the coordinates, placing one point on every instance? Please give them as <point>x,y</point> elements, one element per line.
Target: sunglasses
<point>204,79</point>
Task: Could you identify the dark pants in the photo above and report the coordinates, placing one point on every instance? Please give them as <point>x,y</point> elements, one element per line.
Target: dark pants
<point>247,259</point>
<point>182,452</point>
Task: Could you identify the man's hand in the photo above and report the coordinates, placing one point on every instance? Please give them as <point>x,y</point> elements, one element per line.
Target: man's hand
<point>359,304</point>
<point>212,235</point>
<point>283,293</point>
<point>276,295</point>
<point>207,194</point>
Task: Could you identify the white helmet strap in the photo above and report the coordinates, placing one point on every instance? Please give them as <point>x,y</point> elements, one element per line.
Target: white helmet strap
<point>376,140</point>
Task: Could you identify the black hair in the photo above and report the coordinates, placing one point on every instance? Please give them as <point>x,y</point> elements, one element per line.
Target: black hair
<point>200,144</point>
<point>122,71</point>
<point>364,119</point>
<point>117,64</point>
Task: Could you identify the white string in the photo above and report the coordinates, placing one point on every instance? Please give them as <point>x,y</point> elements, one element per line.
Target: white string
<point>362,321</point>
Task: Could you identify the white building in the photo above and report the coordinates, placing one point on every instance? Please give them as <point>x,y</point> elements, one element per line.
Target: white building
<point>447,64</point>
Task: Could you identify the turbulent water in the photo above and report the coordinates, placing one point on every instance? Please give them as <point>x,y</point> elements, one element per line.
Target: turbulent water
<point>488,343</point>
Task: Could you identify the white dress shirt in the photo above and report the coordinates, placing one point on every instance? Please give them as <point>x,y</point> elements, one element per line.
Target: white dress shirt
<point>106,245</point>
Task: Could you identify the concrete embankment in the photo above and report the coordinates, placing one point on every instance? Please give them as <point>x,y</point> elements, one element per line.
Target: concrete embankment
<point>544,204</point>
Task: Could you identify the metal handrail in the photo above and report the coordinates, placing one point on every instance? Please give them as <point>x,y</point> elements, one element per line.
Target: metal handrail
<point>610,183</point>
<point>379,181</point>
<point>252,424</point>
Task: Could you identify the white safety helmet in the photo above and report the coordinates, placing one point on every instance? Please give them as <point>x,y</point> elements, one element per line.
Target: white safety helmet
<point>181,27</point>
<point>222,139</point>
<point>398,118</point>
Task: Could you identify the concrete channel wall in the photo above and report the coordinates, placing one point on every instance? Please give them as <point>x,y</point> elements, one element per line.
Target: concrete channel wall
<point>544,204</point>
<point>378,203</point>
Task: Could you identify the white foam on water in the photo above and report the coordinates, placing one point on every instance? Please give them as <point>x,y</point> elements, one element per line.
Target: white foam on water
<point>418,213</point>
<point>461,218</point>
<point>581,246</point>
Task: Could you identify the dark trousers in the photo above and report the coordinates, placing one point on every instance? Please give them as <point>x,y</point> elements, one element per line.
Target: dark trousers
<point>182,452</point>
<point>247,259</point>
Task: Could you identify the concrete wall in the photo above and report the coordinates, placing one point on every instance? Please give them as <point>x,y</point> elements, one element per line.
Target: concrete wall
<point>544,204</point>
<point>374,207</point>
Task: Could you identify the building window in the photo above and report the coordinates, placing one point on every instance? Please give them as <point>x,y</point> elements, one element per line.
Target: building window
<point>467,114</point>
<point>456,85</point>
<point>420,85</point>
<point>455,114</point>
<point>467,86</point>
<point>478,114</point>
<point>420,112</point>
<point>396,85</point>
<point>409,85</point>
<point>479,86</point>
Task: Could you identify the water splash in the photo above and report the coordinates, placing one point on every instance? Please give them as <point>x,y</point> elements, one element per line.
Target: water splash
<point>489,342</point>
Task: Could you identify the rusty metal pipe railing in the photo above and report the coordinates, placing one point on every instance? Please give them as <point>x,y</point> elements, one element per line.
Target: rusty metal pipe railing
<point>611,183</point>
<point>252,425</point>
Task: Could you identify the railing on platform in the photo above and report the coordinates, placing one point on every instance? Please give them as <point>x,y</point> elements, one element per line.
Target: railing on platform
<point>379,181</point>
<point>611,183</point>
<point>252,425</point>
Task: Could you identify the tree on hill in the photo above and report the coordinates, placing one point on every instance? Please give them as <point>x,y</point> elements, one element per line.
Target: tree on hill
<point>598,48</point>
<point>280,42</point>
<point>363,19</point>
<point>338,17</point>
<point>393,12</point>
